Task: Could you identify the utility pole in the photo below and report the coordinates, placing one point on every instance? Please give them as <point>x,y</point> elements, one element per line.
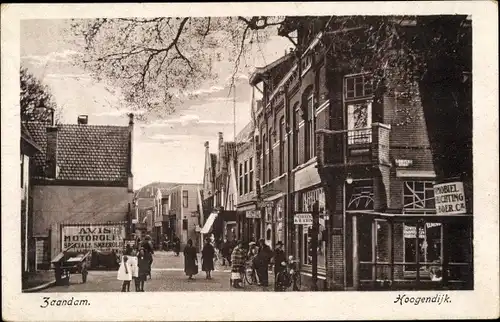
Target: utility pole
<point>314,245</point>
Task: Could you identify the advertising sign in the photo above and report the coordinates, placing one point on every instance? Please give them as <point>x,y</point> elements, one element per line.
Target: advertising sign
<point>253,214</point>
<point>411,232</point>
<point>102,237</point>
<point>450,198</point>
<point>303,219</point>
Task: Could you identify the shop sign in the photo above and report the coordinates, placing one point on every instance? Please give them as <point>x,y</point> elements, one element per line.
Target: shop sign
<point>303,219</point>
<point>102,237</point>
<point>252,214</point>
<point>450,198</point>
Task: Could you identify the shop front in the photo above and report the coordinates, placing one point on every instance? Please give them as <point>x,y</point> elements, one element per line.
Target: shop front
<point>274,219</point>
<point>249,222</point>
<point>304,201</point>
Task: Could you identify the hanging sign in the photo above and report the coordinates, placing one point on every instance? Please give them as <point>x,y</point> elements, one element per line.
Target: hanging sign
<point>303,219</point>
<point>450,198</point>
<point>252,214</point>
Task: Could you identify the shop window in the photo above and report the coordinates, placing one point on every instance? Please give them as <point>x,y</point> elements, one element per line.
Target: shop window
<point>308,200</point>
<point>418,197</point>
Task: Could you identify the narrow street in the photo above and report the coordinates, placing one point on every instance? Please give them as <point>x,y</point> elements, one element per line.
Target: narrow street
<point>167,276</point>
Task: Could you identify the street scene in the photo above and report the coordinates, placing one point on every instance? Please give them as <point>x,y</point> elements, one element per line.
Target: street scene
<point>246,154</point>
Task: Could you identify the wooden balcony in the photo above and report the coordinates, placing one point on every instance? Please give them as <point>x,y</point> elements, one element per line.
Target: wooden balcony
<point>360,147</point>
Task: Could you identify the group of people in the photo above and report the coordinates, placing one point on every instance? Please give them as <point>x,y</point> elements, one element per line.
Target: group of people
<point>260,257</point>
<point>136,264</point>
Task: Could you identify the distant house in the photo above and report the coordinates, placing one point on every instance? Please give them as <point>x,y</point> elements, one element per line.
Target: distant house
<point>82,175</point>
<point>28,149</point>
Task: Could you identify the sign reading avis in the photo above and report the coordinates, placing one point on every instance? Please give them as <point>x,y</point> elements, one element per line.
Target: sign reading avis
<point>102,237</point>
<point>303,219</point>
<point>450,198</point>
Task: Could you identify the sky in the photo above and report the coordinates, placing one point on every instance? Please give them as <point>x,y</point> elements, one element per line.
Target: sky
<point>170,149</point>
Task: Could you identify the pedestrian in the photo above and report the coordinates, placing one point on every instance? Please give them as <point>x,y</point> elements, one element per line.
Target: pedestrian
<point>190,260</point>
<point>238,257</point>
<point>132,259</point>
<point>252,254</point>
<point>177,245</point>
<point>147,244</point>
<point>125,274</point>
<point>262,263</point>
<point>279,263</point>
<point>128,249</point>
<point>207,259</point>
<point>226,252</point>
<point>144,267</point>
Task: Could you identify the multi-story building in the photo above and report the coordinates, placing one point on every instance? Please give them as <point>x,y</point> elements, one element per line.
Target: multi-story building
<point>337,153</point>
<point>183,204</point>
<point>82,177</point>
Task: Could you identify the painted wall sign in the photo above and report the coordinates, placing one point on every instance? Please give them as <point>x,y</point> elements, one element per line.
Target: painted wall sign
<point>102,237</point>
<point>450,198</point>
<point>303,219</point>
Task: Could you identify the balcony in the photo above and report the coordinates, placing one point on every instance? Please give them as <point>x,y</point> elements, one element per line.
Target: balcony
<point>359,147</point>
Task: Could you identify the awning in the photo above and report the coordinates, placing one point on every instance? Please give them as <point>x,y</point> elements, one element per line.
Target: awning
<point>208,224</point>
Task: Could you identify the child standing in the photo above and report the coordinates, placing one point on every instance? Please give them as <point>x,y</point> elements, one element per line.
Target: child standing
<point>125,274</point>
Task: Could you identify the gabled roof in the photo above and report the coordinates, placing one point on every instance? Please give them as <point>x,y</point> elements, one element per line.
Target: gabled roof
<point>85,152</point>
<point>28,139</point>
<point>256,76</point>
<point>245,134</point>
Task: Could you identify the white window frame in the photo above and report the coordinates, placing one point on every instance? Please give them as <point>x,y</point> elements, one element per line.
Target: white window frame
<point>251,176</point>
<point>186,198</point>
<point>245,177</point>
<point>311,125</point>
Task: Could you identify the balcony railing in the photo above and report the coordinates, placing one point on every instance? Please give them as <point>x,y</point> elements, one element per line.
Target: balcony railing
<point>360,146</point>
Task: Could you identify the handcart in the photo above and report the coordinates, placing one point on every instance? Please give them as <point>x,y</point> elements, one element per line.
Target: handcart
<point>70,262</point>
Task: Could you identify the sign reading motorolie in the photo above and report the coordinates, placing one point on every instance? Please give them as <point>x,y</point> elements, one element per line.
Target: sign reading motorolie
<point>102,237</point>
<point>303,219</point>
<point>450,198</point>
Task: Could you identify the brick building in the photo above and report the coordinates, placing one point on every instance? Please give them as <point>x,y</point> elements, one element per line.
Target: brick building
<point>326,138</point>
<point>82,174</point>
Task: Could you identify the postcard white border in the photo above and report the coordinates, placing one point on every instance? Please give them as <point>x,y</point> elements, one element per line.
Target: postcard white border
<point>483,302</point>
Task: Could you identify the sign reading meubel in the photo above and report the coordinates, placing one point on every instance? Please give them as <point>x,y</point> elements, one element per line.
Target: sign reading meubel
<point>94,237</point>
<point>450,198</point>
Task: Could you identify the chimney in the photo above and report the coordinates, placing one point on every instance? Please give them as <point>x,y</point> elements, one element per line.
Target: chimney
<point>221,139</point>
<point>83,119</point>
<point>206,145</point>
<point>51,153</point>
<point>130,151</point>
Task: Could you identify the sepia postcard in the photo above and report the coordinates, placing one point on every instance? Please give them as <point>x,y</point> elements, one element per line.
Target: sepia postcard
<point>250,161</point>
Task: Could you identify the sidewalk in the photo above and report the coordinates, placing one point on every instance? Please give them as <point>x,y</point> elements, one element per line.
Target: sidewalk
<point>35,281</point>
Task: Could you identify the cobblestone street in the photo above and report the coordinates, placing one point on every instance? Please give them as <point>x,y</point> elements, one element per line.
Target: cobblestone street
<point>167,276</point>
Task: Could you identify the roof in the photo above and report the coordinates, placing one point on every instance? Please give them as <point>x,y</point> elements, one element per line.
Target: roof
<point>85,152</point>
<point>256,76</point>
<point>27,138</point>
<point>245,134</point>
<point>149,190</point>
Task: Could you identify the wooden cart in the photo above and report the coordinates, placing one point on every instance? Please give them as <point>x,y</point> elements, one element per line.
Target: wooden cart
<point>70,262</point>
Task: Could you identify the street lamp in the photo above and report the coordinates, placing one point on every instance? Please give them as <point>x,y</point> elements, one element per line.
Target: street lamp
<point>348,179</point>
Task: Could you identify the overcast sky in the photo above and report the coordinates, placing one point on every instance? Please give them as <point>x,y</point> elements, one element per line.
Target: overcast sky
<point>170,149</point>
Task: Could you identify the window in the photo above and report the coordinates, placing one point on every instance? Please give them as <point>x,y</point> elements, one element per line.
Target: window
<point>282,145</point>
<point>185,200</point>
<point>358,87</point>
<point>358,94</point>
<point>22,171</point>
<point>308,199</point>
<point>240,176</point>
<point>264,146</point>
<point>311,123</point>
<point>296,120</point>
<point>418,197</point>
<point>250,177</point>
<point>246,177</point>
<point>270,157</point>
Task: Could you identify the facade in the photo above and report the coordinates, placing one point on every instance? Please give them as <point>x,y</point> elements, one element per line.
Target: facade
<point>183,208</point>
<point>82,174</point>
<point>28,149</point>
<point>342,163</point>
<point>215,187</point>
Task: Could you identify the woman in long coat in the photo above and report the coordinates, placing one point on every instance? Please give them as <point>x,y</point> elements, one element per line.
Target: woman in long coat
<point>144,267</point>
<point>207,257</point>
<point>190,260</point>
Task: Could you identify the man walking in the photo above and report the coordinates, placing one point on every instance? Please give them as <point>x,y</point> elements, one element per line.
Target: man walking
<point>262,263</point>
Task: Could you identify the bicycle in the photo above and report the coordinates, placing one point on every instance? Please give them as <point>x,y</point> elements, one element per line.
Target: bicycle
<point>250,273</point>
<point>288,277</point>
